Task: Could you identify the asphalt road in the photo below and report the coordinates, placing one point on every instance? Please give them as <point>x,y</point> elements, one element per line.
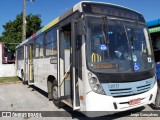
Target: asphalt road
<point>21,98</point>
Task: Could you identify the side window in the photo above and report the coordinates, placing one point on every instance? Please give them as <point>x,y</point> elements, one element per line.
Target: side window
<point>51,42</point>
<point>20,54</point>
<point>39,46</point>
<point>67,40</point>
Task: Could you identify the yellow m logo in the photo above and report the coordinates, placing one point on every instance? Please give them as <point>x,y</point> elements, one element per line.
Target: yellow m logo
<point>96,57</point>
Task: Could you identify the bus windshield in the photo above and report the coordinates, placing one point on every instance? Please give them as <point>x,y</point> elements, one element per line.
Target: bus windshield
<point>117,46</point>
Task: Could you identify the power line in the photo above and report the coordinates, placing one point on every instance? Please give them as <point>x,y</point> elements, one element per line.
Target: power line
<point>10,43</point>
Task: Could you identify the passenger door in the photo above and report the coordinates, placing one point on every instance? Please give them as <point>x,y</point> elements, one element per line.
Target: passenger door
<point>76,66</point>
<point>25,64</point>
<point>64,60</point>
<point>30,64</point>
<point>69,65</point>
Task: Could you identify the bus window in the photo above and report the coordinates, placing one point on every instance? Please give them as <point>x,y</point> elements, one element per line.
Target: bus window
<point>51,42</point>
<point>20,53</point>
<point>39,46</point>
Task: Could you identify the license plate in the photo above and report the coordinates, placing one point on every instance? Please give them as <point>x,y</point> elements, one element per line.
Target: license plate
<point>135,101</point>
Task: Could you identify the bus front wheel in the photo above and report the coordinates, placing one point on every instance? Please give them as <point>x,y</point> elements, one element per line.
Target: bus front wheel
<point>55,99</point>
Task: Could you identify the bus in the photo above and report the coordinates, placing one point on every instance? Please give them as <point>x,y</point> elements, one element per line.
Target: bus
<point>154,30</point>
<point>95,57</point>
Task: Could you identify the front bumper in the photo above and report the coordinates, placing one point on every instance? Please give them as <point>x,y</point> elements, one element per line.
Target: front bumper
<point>109,104</point>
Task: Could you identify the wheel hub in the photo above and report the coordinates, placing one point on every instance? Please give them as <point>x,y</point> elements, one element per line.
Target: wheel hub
<point>55,90</point>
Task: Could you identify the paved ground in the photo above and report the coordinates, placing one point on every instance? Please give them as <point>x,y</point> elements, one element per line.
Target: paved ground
<point>19,97</point>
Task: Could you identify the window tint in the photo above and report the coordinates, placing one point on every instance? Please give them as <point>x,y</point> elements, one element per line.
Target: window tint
<point>51,42</point>
<point>39,46</point>
<point>67,38</point>
<point>20,53</point>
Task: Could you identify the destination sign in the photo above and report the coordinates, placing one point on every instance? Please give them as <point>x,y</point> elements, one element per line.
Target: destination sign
<point>105,66</point>
<point>112,10</point>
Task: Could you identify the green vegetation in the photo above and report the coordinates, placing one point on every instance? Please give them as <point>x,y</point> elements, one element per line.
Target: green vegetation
<point>9,79</point>
<point>13,29</point>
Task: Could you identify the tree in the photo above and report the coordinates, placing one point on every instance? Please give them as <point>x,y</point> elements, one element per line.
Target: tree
<point>13,29</point>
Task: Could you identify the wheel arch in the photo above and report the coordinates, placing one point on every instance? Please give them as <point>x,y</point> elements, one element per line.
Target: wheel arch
<point>50,80</point>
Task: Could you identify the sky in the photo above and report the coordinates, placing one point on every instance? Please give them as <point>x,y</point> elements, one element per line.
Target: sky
<point>50,9</point>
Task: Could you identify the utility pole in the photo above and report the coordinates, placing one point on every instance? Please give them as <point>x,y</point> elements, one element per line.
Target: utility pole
<point>24,21</point>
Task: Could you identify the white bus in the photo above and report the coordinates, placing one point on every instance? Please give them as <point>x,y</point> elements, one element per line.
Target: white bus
<point>95,57</point>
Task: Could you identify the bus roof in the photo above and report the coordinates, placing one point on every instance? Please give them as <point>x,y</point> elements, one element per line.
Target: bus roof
<point>77,7</point>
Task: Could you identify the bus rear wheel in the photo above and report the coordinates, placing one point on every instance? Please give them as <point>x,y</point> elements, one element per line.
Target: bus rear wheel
<point>55,99</point>
<point>23,78</point>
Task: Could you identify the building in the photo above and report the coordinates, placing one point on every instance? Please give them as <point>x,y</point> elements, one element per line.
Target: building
<point>7,62</point>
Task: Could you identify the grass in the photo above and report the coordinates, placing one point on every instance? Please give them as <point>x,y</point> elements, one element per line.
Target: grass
<point>9,79</point>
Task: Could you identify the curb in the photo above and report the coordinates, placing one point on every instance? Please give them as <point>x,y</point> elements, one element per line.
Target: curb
<point>6,83</point>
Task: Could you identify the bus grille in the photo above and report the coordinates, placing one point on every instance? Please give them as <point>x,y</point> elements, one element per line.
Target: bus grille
<point>129,91</point>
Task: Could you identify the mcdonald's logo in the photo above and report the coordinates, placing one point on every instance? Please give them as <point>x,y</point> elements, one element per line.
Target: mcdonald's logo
<point>96,57</point>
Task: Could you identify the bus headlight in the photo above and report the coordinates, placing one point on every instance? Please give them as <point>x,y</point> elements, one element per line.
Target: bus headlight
<point>93,80</point>
<point>95,86</point>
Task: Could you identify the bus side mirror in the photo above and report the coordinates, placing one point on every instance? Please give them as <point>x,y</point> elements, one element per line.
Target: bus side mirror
<point>81,27</point>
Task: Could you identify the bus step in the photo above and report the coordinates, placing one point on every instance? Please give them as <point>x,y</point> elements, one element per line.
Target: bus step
<point>68,102</point>
<point>31,83</point>
<point>65,97</point>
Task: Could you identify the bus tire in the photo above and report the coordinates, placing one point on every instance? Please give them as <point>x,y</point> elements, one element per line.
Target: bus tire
<point>55,99</point>
<point>23,78</point>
